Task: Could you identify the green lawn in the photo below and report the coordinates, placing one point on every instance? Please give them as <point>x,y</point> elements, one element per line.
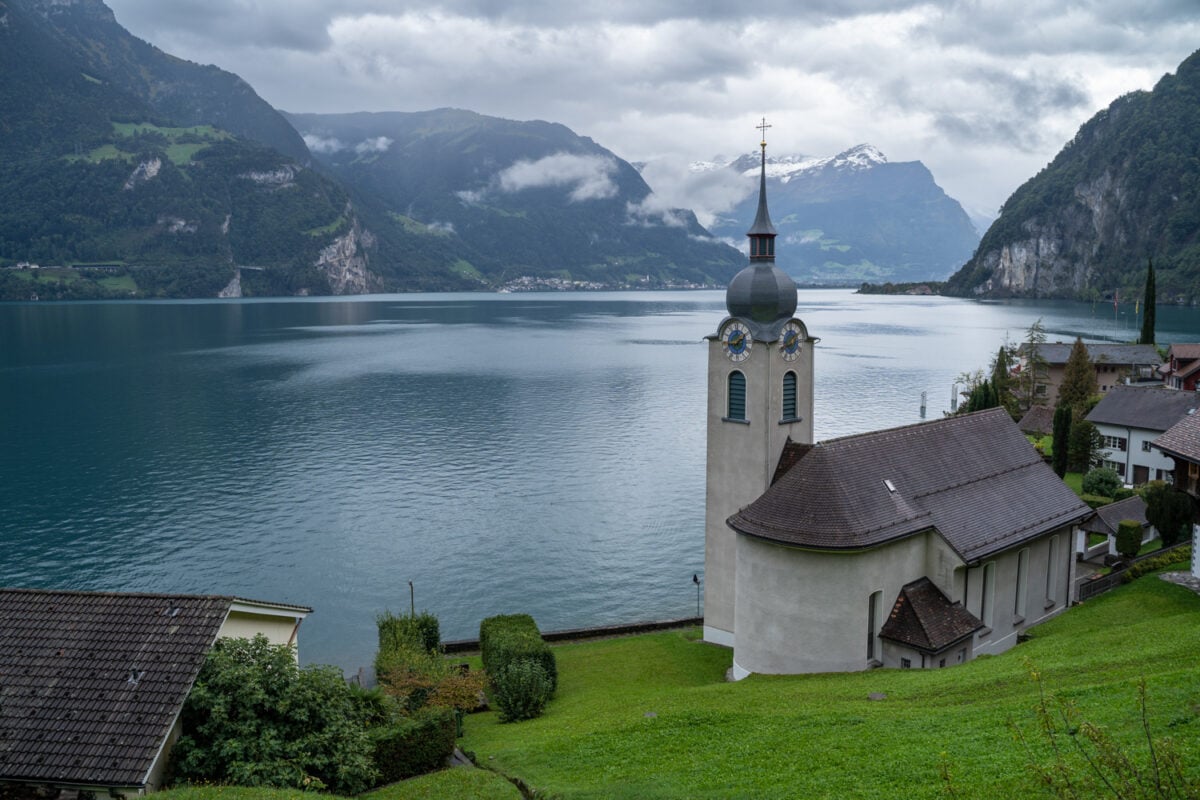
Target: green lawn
<point>650,716</point>
<point>449,784</point>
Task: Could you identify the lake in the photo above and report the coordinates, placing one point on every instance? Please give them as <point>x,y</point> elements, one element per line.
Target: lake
<point>539,453</point>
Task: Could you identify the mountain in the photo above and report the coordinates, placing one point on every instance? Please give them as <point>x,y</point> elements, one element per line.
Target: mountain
<point>522,203</point>
<point>1124,190</point>
<point>853,217</point>
<point>113,153</point>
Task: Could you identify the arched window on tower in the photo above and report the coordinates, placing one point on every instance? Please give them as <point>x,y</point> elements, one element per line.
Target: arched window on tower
<point>737,396</point>
<point>789,395</point>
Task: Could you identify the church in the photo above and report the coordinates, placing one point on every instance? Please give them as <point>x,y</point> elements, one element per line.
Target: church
<point>914,547</point>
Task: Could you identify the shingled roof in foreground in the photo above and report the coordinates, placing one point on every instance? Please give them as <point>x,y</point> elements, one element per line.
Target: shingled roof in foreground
<point>975,478</point>
<point>91,682</point>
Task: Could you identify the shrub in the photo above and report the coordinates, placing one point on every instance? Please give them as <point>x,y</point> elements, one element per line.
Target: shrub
<point>511,637</point>
<point>414,745</point>
<point>1181,556</point>
<point>520,690</point>
<point>254,718</point>
<point>1102,481</point>
<point>1169,511</point>
<point>1095,500</point>
<point>422,629</point>
<point>416,675</point>
<point>1129,538</point>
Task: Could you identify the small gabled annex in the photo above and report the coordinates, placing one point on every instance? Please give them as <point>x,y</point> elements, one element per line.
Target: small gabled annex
<point>92,683</point>
<point>964,503</point>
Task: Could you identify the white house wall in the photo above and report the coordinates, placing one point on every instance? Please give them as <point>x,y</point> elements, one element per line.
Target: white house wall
<point>1154,460</point>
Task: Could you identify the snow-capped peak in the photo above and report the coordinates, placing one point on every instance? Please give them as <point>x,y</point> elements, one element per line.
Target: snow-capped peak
<point>785,167</point>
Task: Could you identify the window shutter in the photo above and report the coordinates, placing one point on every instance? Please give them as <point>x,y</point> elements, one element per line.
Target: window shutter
<point>789,395</point>
<point>737,395</point>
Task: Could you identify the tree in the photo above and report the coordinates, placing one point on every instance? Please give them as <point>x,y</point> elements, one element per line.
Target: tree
<point>254,718</point>
<point>981,397</point>
<point>1129,538</point>
<point>1002,379</point>
<point>1061,440</point>
<point>1083,444</point>
<point>1148,302</point>
<point>1079,378</point>
<point>1102,481</point>
<point>1034,369</point>
<point>1169,511</point>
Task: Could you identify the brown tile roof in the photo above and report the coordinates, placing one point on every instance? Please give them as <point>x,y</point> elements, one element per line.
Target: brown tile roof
<point>923,618</point>
<point>91,682</point>
<point>1108,518</point>
<point>1182,439</point>
<point>1037,420</point>
<point>792,453</point>
<point>974,478</point>
<point>1153,408</point>
<point>1184,350</point>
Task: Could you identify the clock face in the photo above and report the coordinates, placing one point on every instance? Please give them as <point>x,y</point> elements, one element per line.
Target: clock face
<point>793,337</point>
<point>737,341</point>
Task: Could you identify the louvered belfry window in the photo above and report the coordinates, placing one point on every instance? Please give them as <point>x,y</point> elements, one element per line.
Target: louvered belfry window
<point>789,395</point>
<point>737,395</point>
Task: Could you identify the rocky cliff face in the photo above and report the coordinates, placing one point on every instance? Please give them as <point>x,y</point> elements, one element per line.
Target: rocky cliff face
<point>1124,190</point>
<point>344,262</point>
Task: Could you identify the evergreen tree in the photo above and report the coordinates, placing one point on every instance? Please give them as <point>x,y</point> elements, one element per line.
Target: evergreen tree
<point>1148,302</point>
<point>1061,441</point>
<point>1002,379</point>
<point>982,396</point>
<point>1034,369</point>
<point>1083,445</point>
<point>1079,378</point>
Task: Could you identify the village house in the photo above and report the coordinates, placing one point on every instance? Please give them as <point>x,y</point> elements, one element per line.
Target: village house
<point>1115,364</point>
<point>919,546</point>
<point>1182,369</point>
<point>92,684</point>
<point>1181,443</point>
<point>1130,418</point>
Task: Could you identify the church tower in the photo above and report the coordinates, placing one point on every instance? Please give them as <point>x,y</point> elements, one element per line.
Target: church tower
<point>760,394</point>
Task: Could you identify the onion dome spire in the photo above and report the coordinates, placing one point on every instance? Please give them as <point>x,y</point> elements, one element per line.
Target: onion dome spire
<point>762,232</point>
<point>762,293</point>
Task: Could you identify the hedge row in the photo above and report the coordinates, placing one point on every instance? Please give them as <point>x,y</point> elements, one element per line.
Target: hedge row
<point>1147,565</point>
<point>422,629</point>
<point>509,638</point>
<point>414,745</point>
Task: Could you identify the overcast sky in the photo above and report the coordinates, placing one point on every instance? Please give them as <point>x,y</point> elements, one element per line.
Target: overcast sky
<point>984,92</point>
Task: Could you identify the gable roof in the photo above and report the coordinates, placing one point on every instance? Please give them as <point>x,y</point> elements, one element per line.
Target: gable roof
<point>1153,408</point>
<point>1100,353</point>
<point>1108,518</point>
<point>1182,439</point>
<point>1037,420</point>
<point>962,476</point>
<point>792,453</point>
<point>92,682</point>
<point>923,618</point>
<point>1184,350</point>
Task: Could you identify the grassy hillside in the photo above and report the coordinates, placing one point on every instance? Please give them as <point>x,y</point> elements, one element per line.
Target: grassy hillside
<point>651,716</point>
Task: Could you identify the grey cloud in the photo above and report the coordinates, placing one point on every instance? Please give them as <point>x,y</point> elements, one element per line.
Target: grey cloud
<point>589,177</point>
<point>379,144</point>
<point>323,144</point>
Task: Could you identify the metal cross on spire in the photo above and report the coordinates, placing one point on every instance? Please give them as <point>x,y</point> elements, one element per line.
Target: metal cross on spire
<point>763,127</point>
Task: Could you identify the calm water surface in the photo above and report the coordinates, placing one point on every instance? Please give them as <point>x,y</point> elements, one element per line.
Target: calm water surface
<point>537,453</point>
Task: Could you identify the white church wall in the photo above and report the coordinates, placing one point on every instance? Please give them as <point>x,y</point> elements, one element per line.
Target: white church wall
<point>802,611</point>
